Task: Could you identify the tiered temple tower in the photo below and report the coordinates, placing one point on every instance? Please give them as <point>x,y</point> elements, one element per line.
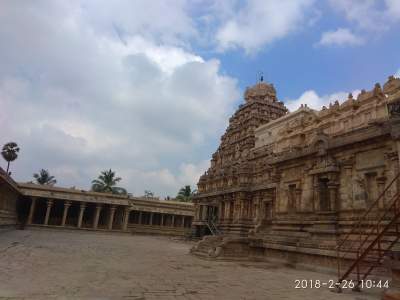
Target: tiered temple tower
<point>230,169</point>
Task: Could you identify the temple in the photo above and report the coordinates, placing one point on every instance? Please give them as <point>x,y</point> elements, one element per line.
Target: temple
<point>291,186</point>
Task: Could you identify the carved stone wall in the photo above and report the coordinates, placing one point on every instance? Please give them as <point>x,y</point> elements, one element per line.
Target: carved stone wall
<point>306,172</point>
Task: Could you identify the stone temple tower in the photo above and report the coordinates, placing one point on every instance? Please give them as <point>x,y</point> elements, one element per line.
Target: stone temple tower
<point>230,168</point>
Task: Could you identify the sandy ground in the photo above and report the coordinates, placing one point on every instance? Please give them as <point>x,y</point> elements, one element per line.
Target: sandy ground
<point>56,264</point>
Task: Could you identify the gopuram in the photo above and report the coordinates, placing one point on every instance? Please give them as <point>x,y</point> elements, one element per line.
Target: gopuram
<point>296,186</point>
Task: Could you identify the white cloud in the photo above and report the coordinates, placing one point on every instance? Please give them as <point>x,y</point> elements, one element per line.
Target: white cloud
<point>340,37</point>
<point>393,8</point>
<point>79,99</point>
<point>261,22</point>
<point>371,15</point>
<point>314,101</point>
<point>397,74</point>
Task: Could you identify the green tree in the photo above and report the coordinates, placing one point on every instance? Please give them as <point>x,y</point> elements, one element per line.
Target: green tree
<point>106,183</point>
<point>10,153</point>
<point>185,194</point>
<point>44,178</point>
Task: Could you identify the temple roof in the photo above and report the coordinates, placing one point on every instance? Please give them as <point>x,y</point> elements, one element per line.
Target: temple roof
<point>260,90</point>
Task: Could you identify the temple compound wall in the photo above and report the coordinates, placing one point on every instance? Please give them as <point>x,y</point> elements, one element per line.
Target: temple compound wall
<point>8,200</point>
<point>27,204</point>
<point>306,176</point>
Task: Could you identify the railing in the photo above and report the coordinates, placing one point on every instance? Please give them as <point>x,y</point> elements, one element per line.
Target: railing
<point>366,238</point>
<point>213,227</point>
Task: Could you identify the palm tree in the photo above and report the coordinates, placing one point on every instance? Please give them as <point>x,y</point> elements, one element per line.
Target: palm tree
<point>106,182</point>
<point>44,178</point>
<point>10,153</point>
<point>185,194</point>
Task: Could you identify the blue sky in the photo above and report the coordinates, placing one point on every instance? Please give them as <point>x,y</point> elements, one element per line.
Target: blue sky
<point>147,88</point>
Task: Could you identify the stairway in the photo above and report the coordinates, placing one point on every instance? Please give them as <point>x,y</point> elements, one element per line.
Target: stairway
<point>362,250</point>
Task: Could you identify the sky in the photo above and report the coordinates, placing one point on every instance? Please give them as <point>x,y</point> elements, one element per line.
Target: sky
<point>146,88</point>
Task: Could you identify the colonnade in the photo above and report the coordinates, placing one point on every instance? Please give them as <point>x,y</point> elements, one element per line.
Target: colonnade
<point>160,219</point>
<point>111,217</point>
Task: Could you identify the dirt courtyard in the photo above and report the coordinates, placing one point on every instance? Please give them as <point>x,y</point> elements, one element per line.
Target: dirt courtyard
<point>57,264</point>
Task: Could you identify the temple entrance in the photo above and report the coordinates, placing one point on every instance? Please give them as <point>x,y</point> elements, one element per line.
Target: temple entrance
<point>324,199</point>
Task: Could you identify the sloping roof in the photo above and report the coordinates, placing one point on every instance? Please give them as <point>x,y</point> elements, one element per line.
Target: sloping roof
<point>4,177</point>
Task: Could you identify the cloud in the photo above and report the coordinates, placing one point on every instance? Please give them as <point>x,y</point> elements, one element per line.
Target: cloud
<point>261,22</point>
<point>393,8</point>
<point>340,37</point>
<point>371,15</point>
<point>397,73</point>
<point>314,101</point>
<point>83,89</point>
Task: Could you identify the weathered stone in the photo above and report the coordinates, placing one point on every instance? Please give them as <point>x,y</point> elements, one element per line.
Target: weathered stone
<point>300,180</point>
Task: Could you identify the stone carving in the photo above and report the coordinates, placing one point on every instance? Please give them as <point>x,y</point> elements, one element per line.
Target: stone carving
<point>309,159</point>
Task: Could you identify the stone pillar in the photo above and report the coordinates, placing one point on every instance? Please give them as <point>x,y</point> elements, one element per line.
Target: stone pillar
<point>126,219</point>
<point>67,205</point>
<point>81,211</point>
<point>173,221</point>
<point>151,219</point>
<point>162,220</point>
<point>183,221</point>
<point>48,211</point>
<point>111,217</point>
<point>97,216</point>
<point>140,218</point>
<point>32,210</point>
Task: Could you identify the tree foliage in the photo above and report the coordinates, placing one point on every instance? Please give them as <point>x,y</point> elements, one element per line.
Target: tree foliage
<point>106,183</point>
<point>44,178</point>
<point>185,194</point>
<point>10,153</point>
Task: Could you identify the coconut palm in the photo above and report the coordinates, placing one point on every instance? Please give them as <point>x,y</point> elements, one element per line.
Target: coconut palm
<point>44,178</point>
<point>106,183</point>
<point>185,194</point>
<point>10,153</point>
